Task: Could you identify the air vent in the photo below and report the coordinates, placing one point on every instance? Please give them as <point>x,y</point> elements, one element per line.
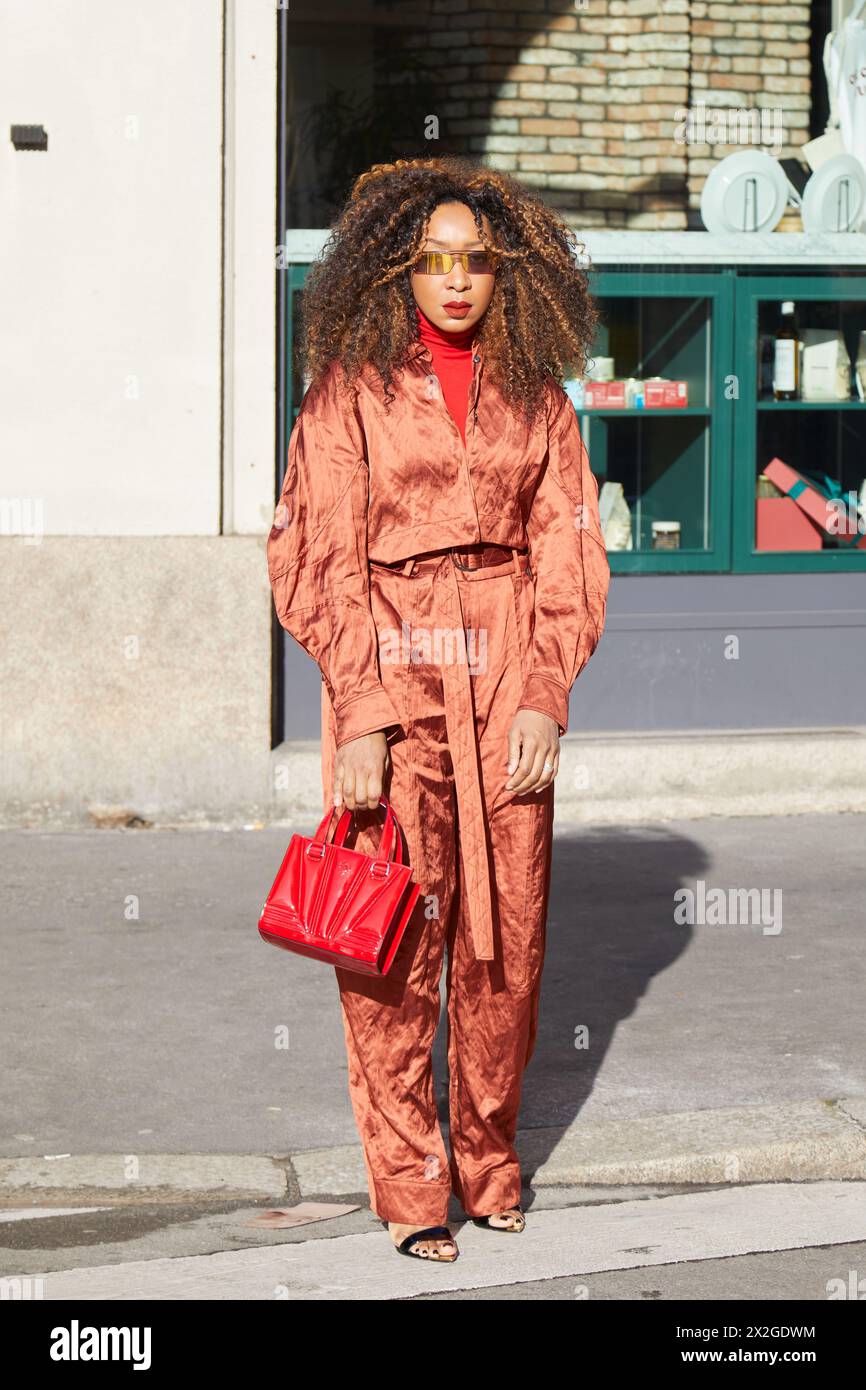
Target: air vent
<point>29,137</point>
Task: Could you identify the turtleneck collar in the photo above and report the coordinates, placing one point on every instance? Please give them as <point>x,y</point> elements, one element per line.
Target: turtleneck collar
<point>438,341</point>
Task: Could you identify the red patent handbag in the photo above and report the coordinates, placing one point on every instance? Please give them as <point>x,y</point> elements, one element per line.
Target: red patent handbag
<point>339,905</point>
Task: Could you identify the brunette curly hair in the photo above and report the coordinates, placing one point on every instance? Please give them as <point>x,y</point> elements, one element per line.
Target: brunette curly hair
<point>358,306</point>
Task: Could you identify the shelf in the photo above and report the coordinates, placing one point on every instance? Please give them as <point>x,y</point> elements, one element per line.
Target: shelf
<point>811,405</point>
<point>634,410</point>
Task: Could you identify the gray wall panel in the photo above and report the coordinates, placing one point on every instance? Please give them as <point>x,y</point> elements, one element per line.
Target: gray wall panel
<point>661,664</point>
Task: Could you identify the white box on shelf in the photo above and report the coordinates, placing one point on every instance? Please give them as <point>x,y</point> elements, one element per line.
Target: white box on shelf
<point>826,367</point>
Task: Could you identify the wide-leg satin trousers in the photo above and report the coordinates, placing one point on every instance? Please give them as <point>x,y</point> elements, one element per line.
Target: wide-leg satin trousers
<point>453,650</point>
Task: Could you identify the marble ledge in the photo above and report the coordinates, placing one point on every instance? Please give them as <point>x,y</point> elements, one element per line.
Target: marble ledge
<point>647,248</point>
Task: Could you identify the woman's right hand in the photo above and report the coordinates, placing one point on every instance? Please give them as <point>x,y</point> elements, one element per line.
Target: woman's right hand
<point>359,770</point>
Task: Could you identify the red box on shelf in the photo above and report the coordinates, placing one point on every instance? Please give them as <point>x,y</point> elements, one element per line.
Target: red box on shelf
<point>604,395</point>
<point>781,525</point>
<point>802,493</point>
<point>665,395</point>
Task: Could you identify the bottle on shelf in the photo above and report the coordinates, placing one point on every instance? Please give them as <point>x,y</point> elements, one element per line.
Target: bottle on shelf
<point>766,361</point>
<point>786,356</point>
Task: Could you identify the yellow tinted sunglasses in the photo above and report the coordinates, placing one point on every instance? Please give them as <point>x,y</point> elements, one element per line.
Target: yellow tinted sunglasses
<point>441,262</point>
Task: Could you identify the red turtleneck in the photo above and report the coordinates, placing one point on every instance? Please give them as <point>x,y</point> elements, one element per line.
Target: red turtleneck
<point>452,363</point>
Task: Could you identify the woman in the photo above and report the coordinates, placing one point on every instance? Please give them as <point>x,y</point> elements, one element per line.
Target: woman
<point>437,551</point>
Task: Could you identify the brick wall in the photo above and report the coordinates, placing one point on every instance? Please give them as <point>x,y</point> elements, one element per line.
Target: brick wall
<point>750,56</point>
<point>583,103</point>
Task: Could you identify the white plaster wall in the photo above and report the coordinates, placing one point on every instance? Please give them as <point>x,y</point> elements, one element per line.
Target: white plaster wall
<point>137,398</point>
<point>110,264</point>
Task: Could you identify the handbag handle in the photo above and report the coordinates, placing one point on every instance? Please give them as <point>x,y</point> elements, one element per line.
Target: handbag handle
<point>388,833</point>
<point>391,831</point>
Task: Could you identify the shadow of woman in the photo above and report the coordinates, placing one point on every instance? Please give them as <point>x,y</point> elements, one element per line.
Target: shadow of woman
<point>610,931</point>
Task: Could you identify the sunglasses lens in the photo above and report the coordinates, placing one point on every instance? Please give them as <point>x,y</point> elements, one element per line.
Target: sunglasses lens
<point>441,262</point>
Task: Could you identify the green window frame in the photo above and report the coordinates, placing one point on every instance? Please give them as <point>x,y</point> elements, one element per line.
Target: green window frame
<point>751,291</point>
<point>731,410</point>
<point>717,288</point>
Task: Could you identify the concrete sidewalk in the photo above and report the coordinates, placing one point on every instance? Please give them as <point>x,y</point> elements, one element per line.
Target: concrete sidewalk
<point>150,1035</point>
<point>686,1245</point>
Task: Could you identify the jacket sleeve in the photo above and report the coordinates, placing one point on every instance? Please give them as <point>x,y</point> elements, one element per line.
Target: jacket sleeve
<point>569,561</point>
<point>317,558</point>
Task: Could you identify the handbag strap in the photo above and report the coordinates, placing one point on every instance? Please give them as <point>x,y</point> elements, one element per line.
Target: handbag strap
<point>390,832</point>
<point>345,822</point>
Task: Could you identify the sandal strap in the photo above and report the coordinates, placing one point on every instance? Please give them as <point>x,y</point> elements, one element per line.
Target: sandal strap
<point>429,1233</point>
<point>506,1211</point>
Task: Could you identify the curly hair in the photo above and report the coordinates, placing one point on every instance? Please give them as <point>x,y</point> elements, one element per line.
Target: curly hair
<point>358,306</point>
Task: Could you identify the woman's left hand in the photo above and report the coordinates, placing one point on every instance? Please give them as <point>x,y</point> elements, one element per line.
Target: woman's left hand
<point>533,741</point>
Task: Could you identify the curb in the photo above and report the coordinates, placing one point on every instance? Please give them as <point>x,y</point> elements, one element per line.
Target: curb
<point>798,1141</point>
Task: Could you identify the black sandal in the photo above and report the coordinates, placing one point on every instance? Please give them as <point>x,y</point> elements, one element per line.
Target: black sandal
<point>429,1233</point>
<point>511,1230</point>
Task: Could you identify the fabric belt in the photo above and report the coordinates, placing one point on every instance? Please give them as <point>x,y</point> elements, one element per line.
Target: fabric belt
<point>460,724</point>
<point>472,557</point>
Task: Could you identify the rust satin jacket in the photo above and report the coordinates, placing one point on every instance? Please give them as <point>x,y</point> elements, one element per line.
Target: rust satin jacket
<point>362,484</point>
